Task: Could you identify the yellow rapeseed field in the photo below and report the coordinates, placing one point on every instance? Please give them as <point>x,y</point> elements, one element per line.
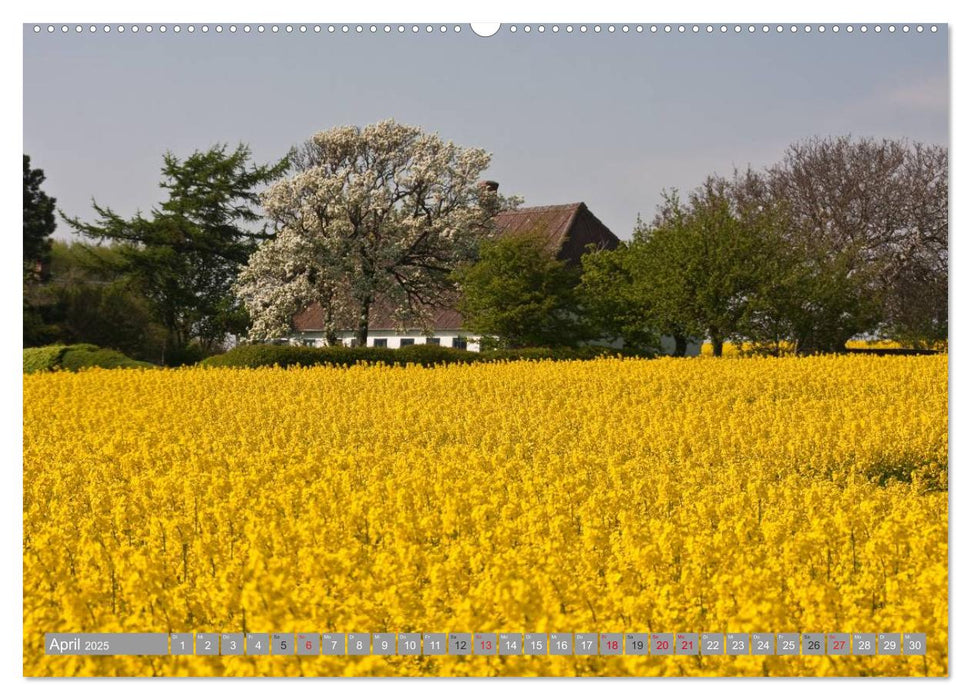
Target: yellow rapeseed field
<point>695,495</point>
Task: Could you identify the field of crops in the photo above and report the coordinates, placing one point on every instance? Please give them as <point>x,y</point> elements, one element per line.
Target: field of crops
<point>700,495</point>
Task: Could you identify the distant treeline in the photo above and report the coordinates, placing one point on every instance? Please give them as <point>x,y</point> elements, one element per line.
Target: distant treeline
<point>843,238</point>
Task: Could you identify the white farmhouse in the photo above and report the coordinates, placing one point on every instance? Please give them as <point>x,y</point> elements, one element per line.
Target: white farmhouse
<point>568,229</point>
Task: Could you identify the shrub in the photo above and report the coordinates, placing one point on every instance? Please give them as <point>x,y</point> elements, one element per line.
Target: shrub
<point>42,359</point>
<point>584,352</point>
<point>190,355</point>
<point>75,357</point>
<point>296,356</point>
<point>424,355</point>
<point>428,355</point>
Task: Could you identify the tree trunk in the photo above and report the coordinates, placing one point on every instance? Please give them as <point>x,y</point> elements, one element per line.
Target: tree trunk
<point>717,343</point>
<point>680,345</point>
<point>363,322</point>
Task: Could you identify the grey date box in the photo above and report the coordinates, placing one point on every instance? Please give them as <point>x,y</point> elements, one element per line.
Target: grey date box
<point>637,643</point>
<point>181,643</point>
<point>383,643</point>
<point>561,643</point>
<point>485,644</point>
<point>611,644</point>
<point>812,644</point>
<point>763,643</point>
<point>712,644</point>
<point>662,643</point>
<point>864,644</point>
<point>434,643</point>
<point>358,644</point>
<point>915,643</point>
<point>281,643</point>
<point>888,644</point>
<point>308,644</point>
<point>536,644</point>
<point>736,644</point>
<point>207,644</point>
<point>332,644</point>
<point>510,643</point>
<point>686,643</point>
<point>409,644</point>
<point>231,644</point>
<point>585,643</point>
<point>838,644</point>
<point>459,643</point>
<point>787,643</point>
<point>257,644</point>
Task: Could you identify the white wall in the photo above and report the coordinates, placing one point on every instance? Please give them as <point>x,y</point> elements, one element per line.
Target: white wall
<point>393,339</point>
<point>446,339</point>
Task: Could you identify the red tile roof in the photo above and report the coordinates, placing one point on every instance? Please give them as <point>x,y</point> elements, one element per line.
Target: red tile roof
<point>567,228</point>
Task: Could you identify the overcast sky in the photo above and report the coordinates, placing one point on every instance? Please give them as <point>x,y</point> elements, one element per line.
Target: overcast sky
<point>608,119</point>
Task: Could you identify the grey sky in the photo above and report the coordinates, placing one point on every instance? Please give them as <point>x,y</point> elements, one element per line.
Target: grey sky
<point>609,119</point>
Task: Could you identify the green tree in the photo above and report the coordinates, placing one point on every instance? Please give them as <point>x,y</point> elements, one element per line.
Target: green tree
<point>517,294</point>
<point>83,300</point>
<point>659,256</point>
<point>186,256</point>
<point>376,214</point>
<point>867,220</point>
<point>39,222</point>
<point>703,263</point>
<point>617,300</point>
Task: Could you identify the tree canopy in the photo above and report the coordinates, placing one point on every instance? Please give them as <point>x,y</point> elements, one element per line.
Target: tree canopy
<point>384,212</point>
<point>186,255</point>
<point>39,221</point>
<point>517,294</point>
<point>842,238</point>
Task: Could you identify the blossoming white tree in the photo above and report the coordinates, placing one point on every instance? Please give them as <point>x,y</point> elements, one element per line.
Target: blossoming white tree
<point>381,212</point>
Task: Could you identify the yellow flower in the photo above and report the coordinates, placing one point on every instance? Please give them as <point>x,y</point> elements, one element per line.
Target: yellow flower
<point>742,495</point>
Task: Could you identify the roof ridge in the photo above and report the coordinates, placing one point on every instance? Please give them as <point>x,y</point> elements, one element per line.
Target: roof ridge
<point>568,205</point>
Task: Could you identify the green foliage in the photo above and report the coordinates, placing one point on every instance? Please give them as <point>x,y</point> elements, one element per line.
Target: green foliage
<point>42,359</point>
<point>519,294</point>
<point>86,300</point>
<point>424,355</point>
<point>617,297</point>
<point>78,357</point>
<point>39,222</point>
<point>827,299</point>
<point>582,352</point>
<point>427,355</point>
<point>191,354</point>
<point>865,228</point>
<point>373,215</point>
<point>185,257</point>
<point>707,259</point>
<point>75,357</point>
<point>297,356</point>
<point>705,267</point>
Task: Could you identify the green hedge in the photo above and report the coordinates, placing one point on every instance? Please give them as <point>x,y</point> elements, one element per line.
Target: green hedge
<point>585,352</point>
<point>75,357</point>
<point>43,359</point>
<point>424,355</point>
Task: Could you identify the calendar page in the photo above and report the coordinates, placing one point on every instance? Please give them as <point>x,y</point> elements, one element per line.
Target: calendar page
<point>612,349</point>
